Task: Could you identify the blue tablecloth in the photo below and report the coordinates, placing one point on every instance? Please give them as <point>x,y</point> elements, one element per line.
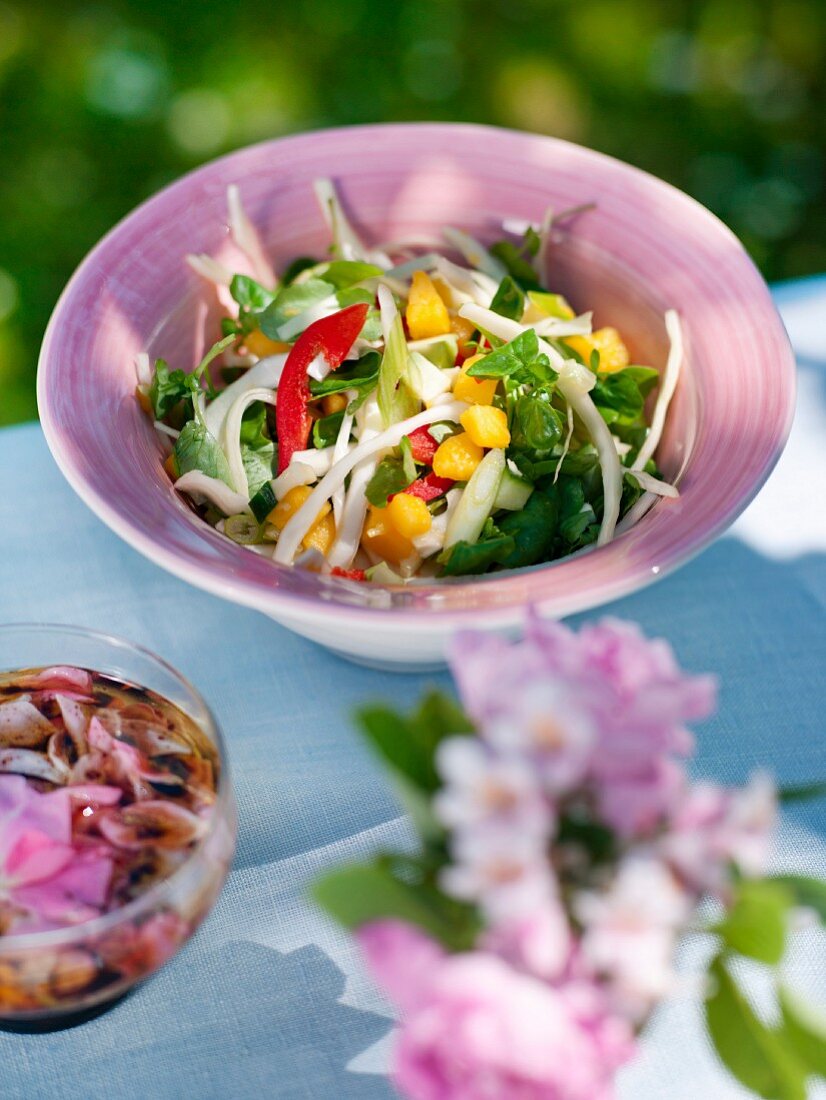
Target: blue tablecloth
<point>269,1000</point>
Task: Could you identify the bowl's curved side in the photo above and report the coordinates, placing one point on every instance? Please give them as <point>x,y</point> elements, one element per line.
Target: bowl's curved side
<point>647,244</point>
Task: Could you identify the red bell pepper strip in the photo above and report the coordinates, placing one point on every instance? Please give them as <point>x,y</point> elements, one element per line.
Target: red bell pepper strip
<point>348,574</point>
<point>423,446</point>
<point>429,487</point>
<point>331,337</point>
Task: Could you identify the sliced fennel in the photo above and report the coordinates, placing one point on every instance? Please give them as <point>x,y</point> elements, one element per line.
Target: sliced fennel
<point>475,253</point>
<point>246,237</point>
<point>477,501</point>
<point>201,487</point>
<point>266,373</point>
<point>347,245</point>
<point>230,438</point>
<point>653,484</point>
<point>209,269</point>
<point>396,401</point>
<point>668,384</point>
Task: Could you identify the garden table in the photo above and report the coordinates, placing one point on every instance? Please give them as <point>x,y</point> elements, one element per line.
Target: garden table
<point>269,999</point>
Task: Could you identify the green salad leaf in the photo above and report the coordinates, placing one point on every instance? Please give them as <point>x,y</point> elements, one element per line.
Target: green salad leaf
<point>326,429</point>
<point>509,299</point>
<point>290,301</point>
<point>196,449</point>
<point>362,376</point>
<point>393,475</point>
<point>464,558</point>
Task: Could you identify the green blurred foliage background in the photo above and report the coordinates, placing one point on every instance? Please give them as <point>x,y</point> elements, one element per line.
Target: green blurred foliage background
<point>101,105</point>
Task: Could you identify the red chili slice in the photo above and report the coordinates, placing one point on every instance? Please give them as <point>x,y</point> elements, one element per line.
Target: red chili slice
<point>348,574</point>
<point>331,337</point>
<point>423,446</point>
<point>429,487</point>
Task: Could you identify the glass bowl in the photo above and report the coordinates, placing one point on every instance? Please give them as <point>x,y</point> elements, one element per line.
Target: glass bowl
<point>53,975</point>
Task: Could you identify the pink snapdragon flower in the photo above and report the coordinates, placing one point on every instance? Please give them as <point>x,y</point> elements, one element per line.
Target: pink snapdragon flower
<point>475,1029</point>
<point>46,882</point>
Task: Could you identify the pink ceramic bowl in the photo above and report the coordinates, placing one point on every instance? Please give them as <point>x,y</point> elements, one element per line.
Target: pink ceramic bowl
<point>645,248</point>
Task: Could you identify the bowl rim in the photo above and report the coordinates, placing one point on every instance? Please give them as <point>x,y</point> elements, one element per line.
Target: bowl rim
<point>417,617</point>
<point>223,808</point>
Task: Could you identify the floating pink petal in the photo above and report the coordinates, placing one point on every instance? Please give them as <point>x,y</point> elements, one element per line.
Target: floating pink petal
<point>59,678</point>
<point>151,824</point>
<point>22,725</point>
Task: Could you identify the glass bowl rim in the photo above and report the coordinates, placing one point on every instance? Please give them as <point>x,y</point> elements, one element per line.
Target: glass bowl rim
<point>154,896</point>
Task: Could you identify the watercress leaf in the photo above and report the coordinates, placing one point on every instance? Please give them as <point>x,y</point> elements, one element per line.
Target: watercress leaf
<point>201,369</point>
<point>259,465</point>
<point>755,1054</point>
<point>353,296</point>
<point>518,354</point>
<point>299,264</point>
<point>804,1028</point>
<point>167,389</point>
<point>390,477</point>
<point>254,425</point>
<point>511,255</point>
<point>533,530</point>
<point>290,301</point>
<point>464,558</point>
<point>509,299</point>
<point>755,925</point>
<point>345,273</point>
<point>808,893</point>
<point>535,425</point>
<point>196,449</point>
<point>531,242</point>
<point>361,375</point>
<point>250,294</point>
<point>326,429</point>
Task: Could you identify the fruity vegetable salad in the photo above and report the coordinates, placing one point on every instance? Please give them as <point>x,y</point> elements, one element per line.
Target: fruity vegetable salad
<point>389,413</point>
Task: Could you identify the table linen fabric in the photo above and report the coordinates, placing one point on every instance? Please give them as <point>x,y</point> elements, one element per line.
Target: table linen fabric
<point>269,999</point>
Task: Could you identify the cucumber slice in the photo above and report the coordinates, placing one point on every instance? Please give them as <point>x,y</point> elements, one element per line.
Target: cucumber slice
<point>440,350</point>
<point>263,502</point>
<point>513,493</point>
<point>477,500</point>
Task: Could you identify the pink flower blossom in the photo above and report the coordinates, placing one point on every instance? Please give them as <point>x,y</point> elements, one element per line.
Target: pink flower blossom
<point>475,1029</point>
<point>538,943</point>
<point>482,787</point>
<point>45,880</point>
<point>712,828</point>
<point>505,871</point>
<point>630,933</point>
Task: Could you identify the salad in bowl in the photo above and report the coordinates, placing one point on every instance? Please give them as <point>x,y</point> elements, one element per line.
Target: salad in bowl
<point>392,413</point>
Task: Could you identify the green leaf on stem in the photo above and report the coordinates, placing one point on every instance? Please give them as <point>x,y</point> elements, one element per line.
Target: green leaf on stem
<point>755,1054</point>
<point>756,923</point>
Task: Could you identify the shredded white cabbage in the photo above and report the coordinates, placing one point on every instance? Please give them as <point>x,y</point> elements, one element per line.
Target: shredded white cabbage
<point>653,484</point>
<point>557,326</point>
<point>575,382</point>
<point>230,438</point>
<point>297,473</point>
<point>164,429</point>
<point>199,486</point>
<point>246,237</point>
<point>668,384</point>
<point>475,253</point>
<point>209,269</point>
<point>340,449</point>
<point>298,526</point>
<point>265,373</point>
<point>347,243</point>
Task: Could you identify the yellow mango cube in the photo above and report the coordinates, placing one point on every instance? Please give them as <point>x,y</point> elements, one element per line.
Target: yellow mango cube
<point>426,313</point>
<point>409,515</point>
<point>613,354</point>
<point>381,538</point>
<point>457,457</point>
<point>258,344</point>
<point>289,504</point>
<point>476,391</point>
<point>333,403</point>
<point>321,535</point>
<point>486,425</point>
